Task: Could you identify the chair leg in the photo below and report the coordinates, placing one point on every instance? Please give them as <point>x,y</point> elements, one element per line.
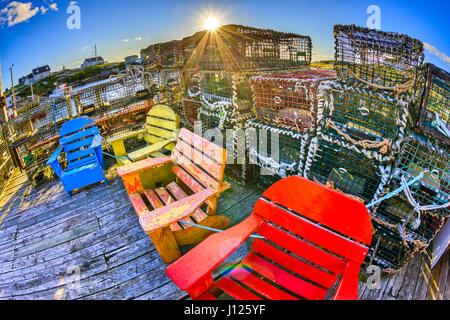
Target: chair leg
<point>164,241</point>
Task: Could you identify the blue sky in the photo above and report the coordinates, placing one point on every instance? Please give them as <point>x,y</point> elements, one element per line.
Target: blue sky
<point>34,32</point>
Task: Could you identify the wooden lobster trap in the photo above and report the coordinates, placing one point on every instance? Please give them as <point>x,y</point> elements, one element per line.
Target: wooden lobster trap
<point>365,121</point>
<point>378,60</point>
<point>345,169</point>
<point>434,119</point>
<point>190,110</point>
<point>289,100</point>
<point>165,54</point>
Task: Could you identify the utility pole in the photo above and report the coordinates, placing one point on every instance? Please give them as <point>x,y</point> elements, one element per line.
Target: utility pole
<point>12,88</point>
<point>3,112</point>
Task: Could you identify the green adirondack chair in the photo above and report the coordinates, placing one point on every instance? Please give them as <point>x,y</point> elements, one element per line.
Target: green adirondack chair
<point>160,133</point>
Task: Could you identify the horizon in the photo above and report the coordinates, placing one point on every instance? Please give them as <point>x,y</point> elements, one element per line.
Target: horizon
<point>35,33</point>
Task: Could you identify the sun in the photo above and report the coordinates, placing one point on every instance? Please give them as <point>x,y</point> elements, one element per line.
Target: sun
<point>211,23</point>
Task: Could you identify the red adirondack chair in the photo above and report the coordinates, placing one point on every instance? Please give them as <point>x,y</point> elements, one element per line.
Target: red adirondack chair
<point>328,220</point>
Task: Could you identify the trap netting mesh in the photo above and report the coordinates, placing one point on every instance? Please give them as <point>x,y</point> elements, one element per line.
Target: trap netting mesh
<point>435,110</point>
<point>345,170</point>
<point>377,59</point>
<point>190,110</point>
<point>6,163</point>
<point>279,152</point>
<point>421,157</point>
<point>166,54</point>
<point>236,47</point>
<point>363,120</point>
<point>388,250</point>
<point>289,100</point>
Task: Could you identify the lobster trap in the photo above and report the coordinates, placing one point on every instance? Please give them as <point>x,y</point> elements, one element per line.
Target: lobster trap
<point>432,191</point>
<point>236,48</point>
<point>289,100</point>
<point>435,109</point>
<point>279,152</point>
<point>6,164</point>
<point>190,110</point>
<point>166,54</point>
<point>345,170</point>
<point>365,121</point>
<point>388,250</point>
<point>378,60</point>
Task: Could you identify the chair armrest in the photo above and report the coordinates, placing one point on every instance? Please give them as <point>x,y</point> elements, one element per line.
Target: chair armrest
<point>175,211</point>
<point>125,135</point>
<point>192,272</point>
<point>146,151</point>
<point>97,141</point>
<point>348,287</point>
<point>142,165</point>
<point>54,163</point>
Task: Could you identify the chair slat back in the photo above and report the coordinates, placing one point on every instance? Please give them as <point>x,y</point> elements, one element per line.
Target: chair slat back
<point>198,161</point>
<point>76,136</point>
<point>317,215</point>
<point>162,123</point>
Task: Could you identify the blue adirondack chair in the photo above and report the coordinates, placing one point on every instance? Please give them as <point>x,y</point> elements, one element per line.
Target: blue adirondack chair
<point>82,143</point>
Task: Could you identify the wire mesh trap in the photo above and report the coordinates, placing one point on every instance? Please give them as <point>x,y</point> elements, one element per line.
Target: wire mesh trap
<point>236,47</point>
<point>378,60</point>
<point>432,191</point>
<point>367,122</point>
<point>289,100</point>
<point>345,170</point>
<point>435,109</point>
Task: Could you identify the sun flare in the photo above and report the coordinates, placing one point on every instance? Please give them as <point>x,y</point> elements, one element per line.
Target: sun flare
<point>211,23</point>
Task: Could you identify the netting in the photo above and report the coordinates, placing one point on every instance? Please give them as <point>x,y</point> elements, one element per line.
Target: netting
<point>190,110</point>
<point>421,156</point>
<point>289,100</point>
<point>435,110</point>
<point>166,54</point>
<point>235,47</point>
<point>345,170</point>
<point>380,60</point>
<point>6,164</point>
<point>363,120</point>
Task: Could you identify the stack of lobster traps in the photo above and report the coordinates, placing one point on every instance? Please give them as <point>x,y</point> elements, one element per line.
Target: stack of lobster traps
<point>286,107</point>
<point>363,146</point>
<point>226,59</point>
<point>6,163</point>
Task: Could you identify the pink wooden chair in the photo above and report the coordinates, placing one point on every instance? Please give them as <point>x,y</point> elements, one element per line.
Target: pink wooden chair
<point>297,218</point>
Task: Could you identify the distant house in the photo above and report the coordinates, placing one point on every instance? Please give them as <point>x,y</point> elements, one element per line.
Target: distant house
<point>130,60</point>
<point>22,80</point>
<point>29,79</point>
<point>41,73</point>
<point>89,62</point>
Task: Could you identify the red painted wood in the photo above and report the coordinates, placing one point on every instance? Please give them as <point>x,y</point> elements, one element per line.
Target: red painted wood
<point>203,145</point>
<point>262,287</point>
<point>174,212</point>
<point>206,296</point>
<point>235,290</point>
<point>187,179</point>
<point>348,287</point>
<point>283,278</point>
<point>153,198</point>
<point>312,232</point>
<point>302,248</point>
<point>301,268</point>
<point>194,170</point>
<point>189,270</point>
<point>333,209</point>
<point>138,204</point>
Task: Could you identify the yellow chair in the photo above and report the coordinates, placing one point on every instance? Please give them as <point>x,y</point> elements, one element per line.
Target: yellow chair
<point>160,133</point>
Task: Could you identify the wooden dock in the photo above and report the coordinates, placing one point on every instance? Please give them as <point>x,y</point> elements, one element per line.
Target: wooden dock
<point>91,246</point>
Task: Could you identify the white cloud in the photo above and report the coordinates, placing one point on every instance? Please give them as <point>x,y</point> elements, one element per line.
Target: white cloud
<point>436,52</point>
<point>84,48</point>
<point>318,56</point>
<point>138,38</point>
<point>72,2</point>
<point>53,6</point>
<point>126,40</point>
<point>43,10</point>
<point>17,12</point>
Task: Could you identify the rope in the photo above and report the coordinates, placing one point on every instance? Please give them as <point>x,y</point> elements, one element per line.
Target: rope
<point>216,230</point>
<point>400,88</point>
<point>440,126</point>
<point>116,157</point>
<point>383,145</point>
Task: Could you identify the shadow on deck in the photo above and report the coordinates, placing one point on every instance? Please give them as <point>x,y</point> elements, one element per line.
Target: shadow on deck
<point>91,246</point>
